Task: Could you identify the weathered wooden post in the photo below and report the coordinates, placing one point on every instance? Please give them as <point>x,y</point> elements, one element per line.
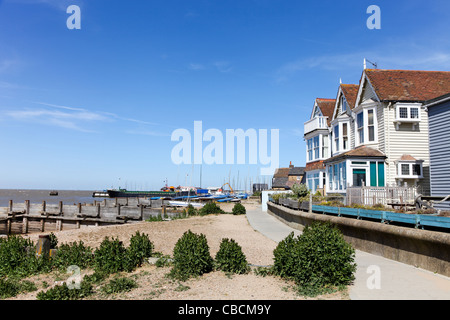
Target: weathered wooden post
<point>44,205</point>
<point>141,207</point>
<point>79,213</point>
<point>43,245</point>
<point>25,217</point>
<point>60,208</point>
<point>9,221</point>
<point>98,214</point>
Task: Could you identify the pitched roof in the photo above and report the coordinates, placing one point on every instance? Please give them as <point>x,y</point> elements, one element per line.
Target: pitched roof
<point>408,85</point>
<point>327,107</point>
<point>317,165</point>
<point>407,157</point>
<point>280,183</point>
<point>359,152</point>
<point>296,171</point>
<point>351,93</point>
<point>281,173</point>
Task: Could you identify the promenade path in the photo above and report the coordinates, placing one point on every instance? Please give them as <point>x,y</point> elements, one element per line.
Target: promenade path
<point>397,281</point>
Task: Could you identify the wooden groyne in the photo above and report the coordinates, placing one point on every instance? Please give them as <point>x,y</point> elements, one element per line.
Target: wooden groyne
<point>26,217</point>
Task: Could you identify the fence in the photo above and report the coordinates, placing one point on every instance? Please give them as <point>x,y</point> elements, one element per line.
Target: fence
<point>384,217</point>
<point>29,217</point>
<point>381,195</point>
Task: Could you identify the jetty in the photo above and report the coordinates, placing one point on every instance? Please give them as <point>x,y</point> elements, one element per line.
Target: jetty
<point>26,217</point>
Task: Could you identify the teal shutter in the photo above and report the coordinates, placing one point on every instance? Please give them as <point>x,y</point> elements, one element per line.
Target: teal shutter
<point>381,174</point>
<point>373,174</point>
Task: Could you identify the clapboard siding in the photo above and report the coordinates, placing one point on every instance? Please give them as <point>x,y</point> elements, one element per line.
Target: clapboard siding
<point>439,120</point>
<point>381,126</point>
<point>407,140</point>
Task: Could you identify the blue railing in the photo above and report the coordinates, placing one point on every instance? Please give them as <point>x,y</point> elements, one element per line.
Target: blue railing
<point>413,220</point>
<point>416,220</point>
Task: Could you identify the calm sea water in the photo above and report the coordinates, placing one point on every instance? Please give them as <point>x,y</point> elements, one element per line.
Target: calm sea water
<point>37,196</point>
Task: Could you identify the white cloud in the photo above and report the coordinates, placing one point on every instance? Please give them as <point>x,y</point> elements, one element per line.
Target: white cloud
<point>146,132</point>
<point>68,117</point>
<point>223,66</point>
<point>196,66</point>
<point>394,56</point>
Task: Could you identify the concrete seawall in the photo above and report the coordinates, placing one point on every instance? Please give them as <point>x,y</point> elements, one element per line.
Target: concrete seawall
<point>429,250</point>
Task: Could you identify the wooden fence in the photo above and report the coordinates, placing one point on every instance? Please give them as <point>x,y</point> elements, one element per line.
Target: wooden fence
<point>388,196</point>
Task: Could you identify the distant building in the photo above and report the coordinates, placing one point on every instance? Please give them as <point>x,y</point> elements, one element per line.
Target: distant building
<point>260,187</point>
<point>285,178</point>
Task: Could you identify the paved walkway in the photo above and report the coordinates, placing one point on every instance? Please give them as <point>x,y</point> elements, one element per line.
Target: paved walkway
<point>396,281</point>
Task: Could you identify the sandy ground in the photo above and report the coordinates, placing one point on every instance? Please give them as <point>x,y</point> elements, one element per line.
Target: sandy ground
<point>152,281</point>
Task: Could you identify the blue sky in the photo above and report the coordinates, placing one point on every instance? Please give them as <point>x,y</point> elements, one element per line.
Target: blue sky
<point>96,107</point>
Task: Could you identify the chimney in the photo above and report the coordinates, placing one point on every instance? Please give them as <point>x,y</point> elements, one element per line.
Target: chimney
<point>291,165</point>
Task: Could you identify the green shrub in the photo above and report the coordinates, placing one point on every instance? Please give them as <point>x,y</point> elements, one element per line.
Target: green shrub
<point>191,256</point>
<point>18,258</point>
<point>230,257</point>
<point>140,248</point>
<point>12,287</point>
<point>63,292</point>
<point>119,285</point>
<point>111,257</point>
<point>191,211</point>
<point>75,253</point>
<point>210,208</point>
<point>284,257</point>
<point>317,260</point>
<point>8,288</point>
<point>53,241</point>
<point>96,277</point>
<point>300,190</point>
<point>238,209</point>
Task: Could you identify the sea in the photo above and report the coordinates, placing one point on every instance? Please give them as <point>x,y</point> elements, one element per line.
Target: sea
<point>37,196</point>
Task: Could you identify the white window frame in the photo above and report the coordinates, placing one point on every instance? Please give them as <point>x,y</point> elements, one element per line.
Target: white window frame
<point>336,134</point>
<point>408,106</point>
<point>410,165</point>
<point>365,127</point>
<point>337,177</point>
<point>344,104</point>
<point>316,149</point>
<point>338,142</point>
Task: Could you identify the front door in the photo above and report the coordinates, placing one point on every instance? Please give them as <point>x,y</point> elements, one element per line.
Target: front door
<point>359,177</point>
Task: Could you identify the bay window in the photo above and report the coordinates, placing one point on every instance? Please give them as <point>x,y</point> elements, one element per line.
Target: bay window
<point>336,138</point>
<point>360,127</point>
<point>345,136</point>
<point>366,126</point>
<point>410,169</point>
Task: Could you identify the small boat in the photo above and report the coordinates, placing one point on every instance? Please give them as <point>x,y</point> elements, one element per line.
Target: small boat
<point>53,193</point>
<point>185,204</point>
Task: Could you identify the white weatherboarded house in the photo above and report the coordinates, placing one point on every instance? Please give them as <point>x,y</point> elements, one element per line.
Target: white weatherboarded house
<point>379,130</point>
